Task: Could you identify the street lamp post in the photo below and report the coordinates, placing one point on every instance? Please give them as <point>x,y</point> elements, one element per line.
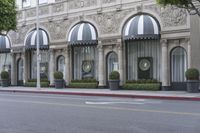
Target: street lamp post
<point>37,41</point>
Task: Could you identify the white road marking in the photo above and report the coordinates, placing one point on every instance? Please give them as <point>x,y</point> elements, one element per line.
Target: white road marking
<point>134,101</point>
<point>101,103</point>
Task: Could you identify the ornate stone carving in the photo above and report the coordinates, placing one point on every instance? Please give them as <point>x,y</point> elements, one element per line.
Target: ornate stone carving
<point>110,22</point>
<point>119,46</point>
<point>108,1</point>
<point>58,29</point>
<point>58,0</point>
<point>170,15</point>
<point>163,42</point>
<point>19,15</point>
<point>18,37</point>
<point>109,41</point>
<point>58,7</point>
<point>30,13</point>
<point>18,49</point>
<point>100,47</point>
<point>75,4</point>
<point>43,10</point>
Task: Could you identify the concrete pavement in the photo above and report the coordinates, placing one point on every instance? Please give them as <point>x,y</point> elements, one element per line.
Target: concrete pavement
<point>165,95</point>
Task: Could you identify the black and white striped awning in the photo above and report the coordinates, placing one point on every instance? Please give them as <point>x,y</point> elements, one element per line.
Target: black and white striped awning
<point>141,27</point>
<point>4,44</point>
<point>31,40</point>
<point>82,34</point>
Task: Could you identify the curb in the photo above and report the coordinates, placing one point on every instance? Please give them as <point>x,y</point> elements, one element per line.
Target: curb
<point>107,95</point>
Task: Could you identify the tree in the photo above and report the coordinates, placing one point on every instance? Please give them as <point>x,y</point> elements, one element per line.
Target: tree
<point>192,6</point>
<point>8,18</point>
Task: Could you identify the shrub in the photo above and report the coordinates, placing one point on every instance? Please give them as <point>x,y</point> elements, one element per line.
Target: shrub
<point>192,74</point>
<point>140,86</point>
<point>58,75</point>
<point>114,75</point>
<point>4,75</point>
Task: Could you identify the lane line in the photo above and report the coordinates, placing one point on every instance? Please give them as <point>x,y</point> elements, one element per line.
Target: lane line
<point>105,107</point>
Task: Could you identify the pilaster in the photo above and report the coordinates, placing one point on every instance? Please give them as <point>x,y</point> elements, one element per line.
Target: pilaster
<point>164,65</point>
<point>101,65</point>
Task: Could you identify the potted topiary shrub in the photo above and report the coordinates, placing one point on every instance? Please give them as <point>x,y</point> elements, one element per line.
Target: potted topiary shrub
<point>192,76</point>
<point>58,79</point>
<point>114,80</point>
<point>4,79</point>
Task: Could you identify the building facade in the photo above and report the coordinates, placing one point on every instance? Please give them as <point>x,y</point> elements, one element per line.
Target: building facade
<point>91,38</point>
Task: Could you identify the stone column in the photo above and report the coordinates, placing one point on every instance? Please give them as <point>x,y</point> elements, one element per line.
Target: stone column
<point>67,66</point>
<point>13,69</point>
<point>51,66</point>
<point>25,61</point>
<point>120,60</point>
<point>101,66</point>
<point>164,65</point>
<point>189,53</point>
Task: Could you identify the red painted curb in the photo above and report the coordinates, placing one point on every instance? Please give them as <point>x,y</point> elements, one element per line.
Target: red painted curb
<point>108,95</point>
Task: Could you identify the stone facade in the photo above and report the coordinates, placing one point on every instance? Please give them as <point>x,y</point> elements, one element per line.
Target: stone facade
<point>109,18</point>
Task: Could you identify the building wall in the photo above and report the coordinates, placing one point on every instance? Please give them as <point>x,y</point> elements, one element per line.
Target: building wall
<point>108,17</point>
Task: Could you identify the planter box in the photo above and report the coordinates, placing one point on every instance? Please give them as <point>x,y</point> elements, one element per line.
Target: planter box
<point>59,83</point>
<point>5,83</point>
<point>83,85</point>
<point>34,84</point>
<point>114,84</point>
<point>142,86</point>
<point>193,86</point>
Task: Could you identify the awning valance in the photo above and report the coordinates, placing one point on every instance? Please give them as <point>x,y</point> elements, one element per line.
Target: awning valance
<point>82,34</point>
<point>141,27</point>
<point>4,44</point>
<point>31,40</point>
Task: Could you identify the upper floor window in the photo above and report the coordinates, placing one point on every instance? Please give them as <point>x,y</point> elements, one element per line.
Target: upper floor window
<point>26,3</point>
<point>43,1</point>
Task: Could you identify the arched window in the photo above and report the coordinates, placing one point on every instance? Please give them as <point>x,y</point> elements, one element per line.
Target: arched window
<point>112,62</point>
<point>61,64</point>
<point>20,71</point>
<point>178,64</point>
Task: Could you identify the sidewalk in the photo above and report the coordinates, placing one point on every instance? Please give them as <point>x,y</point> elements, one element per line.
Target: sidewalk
<point>165,95</point>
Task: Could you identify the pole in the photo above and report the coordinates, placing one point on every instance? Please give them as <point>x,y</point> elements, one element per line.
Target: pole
<point>38,50</point>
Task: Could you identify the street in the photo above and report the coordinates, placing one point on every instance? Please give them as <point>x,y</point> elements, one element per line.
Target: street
<point>42,113</point>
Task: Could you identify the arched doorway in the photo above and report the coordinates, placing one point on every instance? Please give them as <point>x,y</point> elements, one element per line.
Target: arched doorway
<point>31,57</point>
<point>141,35</point>
<point>20,72</point>
<point>112,64</point>
<point>83,40</point>
<point>178,68</point>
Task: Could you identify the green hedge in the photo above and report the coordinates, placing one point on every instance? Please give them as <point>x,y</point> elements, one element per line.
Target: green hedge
<point>83,85</point>
<point>84,81</point>
<point>33,84</point>
<point>35,80</point>
<point>142,86</point>
<point>143,81</point>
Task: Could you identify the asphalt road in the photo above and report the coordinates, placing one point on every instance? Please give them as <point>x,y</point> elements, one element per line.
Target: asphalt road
<point>40,113</point>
